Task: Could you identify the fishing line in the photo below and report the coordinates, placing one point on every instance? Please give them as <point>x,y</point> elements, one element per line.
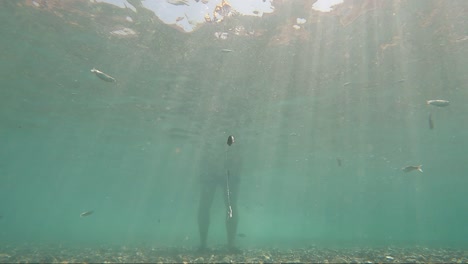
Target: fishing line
<point>230,140</point>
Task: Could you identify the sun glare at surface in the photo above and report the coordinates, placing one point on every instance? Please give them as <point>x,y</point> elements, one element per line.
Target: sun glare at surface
<point>325,5</point>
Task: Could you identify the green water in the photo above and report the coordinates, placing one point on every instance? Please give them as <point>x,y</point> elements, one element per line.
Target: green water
<point>133,150</point>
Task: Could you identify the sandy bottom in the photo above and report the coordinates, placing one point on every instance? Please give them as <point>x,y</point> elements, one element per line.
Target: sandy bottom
<point>102,254</point>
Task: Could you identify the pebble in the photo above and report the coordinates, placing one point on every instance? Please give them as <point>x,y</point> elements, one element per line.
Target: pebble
<point>190,255</point>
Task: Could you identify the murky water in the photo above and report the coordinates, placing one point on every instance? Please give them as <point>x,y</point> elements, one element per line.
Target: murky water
<point>326,109</point>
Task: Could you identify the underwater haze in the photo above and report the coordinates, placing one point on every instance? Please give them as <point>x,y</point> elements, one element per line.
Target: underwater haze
<point>326,109</point>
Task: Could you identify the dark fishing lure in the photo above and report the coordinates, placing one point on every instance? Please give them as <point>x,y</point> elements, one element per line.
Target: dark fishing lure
<point>230,140</point>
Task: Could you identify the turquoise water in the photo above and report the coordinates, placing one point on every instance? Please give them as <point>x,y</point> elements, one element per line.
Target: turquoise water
<point>297,101</point>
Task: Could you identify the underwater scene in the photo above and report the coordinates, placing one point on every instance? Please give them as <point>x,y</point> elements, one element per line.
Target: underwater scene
<point>225,131</point>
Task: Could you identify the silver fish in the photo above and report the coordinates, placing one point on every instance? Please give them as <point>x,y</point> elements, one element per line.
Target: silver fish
<point>439,103</point>
<point>102,76</point>
<point>177,2</point>
<point>227,50</point>
<point>87,213</point>
<point>412,168</point>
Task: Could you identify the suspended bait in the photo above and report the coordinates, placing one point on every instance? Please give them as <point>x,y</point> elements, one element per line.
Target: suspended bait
<point>230,140</point>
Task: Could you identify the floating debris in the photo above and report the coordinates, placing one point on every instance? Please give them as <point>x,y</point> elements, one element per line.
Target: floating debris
<point>300,21</point>
<point>389,258</point>
<point>124,32</point>
<point>296,27</point>
<point>223,10</point>
<point>412,168</point>
<point>431,123</point>
<point>438,102</point>
<point>221,35</point>
<point>87,213</point>
<point>103,76</point>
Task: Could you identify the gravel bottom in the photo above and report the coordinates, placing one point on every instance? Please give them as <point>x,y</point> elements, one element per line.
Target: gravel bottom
<point>102,254</point>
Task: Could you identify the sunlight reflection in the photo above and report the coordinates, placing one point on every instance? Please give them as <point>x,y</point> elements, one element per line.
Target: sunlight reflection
<point>190,14</point>
<point>325,5</point>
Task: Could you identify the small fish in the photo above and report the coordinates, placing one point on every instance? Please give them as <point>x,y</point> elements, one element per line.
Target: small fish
<point>241,235</point>
<point>177,2</point>
<point>412,168</point>
<point>87,213</point>
<point>338,161</point>
<point>102,75</point>
<point>439,103</point>
<point>227,50</point>
<point>230,140</point>
<point>431,123</point>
